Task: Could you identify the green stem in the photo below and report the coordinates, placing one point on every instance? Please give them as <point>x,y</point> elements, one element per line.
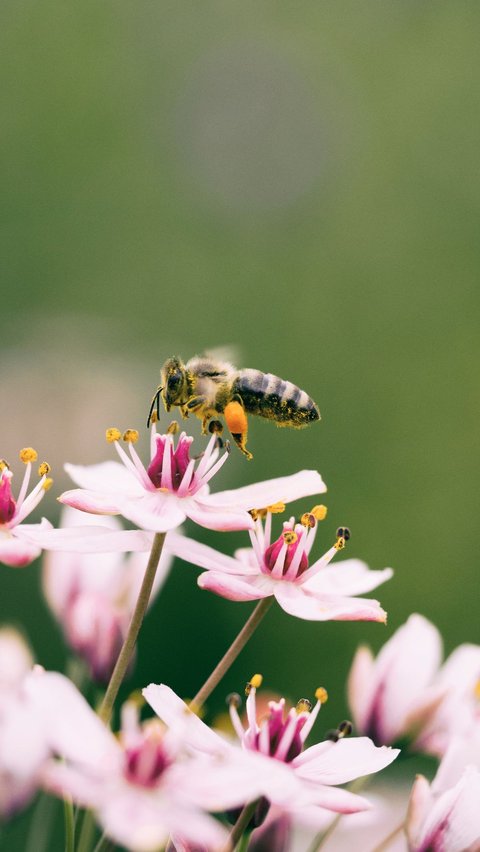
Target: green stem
<point>104,844</point>
<point>389,838</point>
<point>231,655</point>
<point>128,646</point>
<point>69,824</point>
<point>240,826</point>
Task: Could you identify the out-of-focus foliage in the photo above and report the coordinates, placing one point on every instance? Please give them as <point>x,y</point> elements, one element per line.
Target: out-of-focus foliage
<point>300,181</point>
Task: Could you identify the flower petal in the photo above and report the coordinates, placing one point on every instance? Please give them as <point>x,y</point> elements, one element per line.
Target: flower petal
<point>97,502</point>
<point>17,552</point>
<point>207,557</point>
<point>217,517</point>
<point>106,476</point>
<point>348,577</point>
<point>91,539</point>
<point>176,714</point>
<point>361,674</point>
<point>283,489</point>
<point>156,511</point>
<point>235,588</point>
<point>297,601</point>
<point>338,763</point>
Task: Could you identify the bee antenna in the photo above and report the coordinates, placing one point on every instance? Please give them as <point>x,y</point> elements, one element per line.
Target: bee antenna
<point>155,405</point>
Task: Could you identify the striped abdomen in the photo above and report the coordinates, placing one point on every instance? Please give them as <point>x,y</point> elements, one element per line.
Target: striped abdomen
<point>272,397</point>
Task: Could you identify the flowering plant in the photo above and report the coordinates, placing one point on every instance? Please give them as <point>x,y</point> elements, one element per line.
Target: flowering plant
<point>172,781</point>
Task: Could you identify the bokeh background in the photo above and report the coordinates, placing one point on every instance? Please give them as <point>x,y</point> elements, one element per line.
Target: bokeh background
<point>299,182</point>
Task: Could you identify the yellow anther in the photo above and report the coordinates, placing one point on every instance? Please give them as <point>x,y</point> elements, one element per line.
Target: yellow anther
<point>173,428</point>
<point>44,469</point>
<point>4,465</point>
<point>276,508</point>
<point>303,706</point>
<point>308,519</point>
<point>319,512</point>
<point>321,695</point>
<point>255,682</point>
<point>136,698</point>
<point>340,543</point>
<point>131,436</point>
<point>290,537</point>
<point>113,434</point>
<point>28,454</point>
<point>154,417</point>
<point>47,483</point>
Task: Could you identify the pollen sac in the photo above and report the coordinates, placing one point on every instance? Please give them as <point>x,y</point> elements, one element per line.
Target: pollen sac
<point>308,520</point>
<point>255,682</point>
<point>321,695</point>
<point>343,532</point>
<point>131,436</point>
<point>215,427</point>
<point>43,469</point>
<point>233,699</point>
<point>303,705</point>
<point>28,454</point>
<point>332,736</point>
<point>345,728</point>
<point>112,434</point>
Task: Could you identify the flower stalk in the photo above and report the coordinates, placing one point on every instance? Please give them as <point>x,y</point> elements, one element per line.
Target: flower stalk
<point>231,655</point>
<point>241,824</point>
<point>118,674</point>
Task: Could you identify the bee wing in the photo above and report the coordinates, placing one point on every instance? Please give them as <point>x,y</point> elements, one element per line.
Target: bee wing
<point>231,354</point>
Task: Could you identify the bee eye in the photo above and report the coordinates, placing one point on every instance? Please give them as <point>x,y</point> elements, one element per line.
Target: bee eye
<point>173,381</point>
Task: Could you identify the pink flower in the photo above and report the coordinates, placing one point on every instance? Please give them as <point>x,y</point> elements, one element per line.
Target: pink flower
<point>444,816</point>
<point>404,692</point>
<point>173,486</point>
<point>299,781</point>
<point>314,591</point>
<point>144,786</point>
<point>93,595</point>
<point>16,549</point>
<point>19,747</point>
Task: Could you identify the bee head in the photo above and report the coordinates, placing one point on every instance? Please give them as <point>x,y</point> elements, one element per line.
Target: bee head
<point>174,379</point>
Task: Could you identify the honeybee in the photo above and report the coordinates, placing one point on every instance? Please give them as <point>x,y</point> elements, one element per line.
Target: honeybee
<point>208,387</point>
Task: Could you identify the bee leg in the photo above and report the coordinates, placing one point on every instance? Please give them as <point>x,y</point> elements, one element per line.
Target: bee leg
<point>236,420</point>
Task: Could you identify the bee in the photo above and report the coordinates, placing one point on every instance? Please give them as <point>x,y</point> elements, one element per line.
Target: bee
<point>208,387</point>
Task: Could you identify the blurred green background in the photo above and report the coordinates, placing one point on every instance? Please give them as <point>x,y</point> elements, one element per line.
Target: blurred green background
<point>298,181</point>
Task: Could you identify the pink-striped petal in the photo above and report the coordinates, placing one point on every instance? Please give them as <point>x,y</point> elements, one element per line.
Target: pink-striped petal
<point>90,539</point>
<point>203,511</point>
<point>106,476</point>
<point>235,588</point>
<point>348,577</point>
<point>338,763</point>
<point>296,601</point>
<point>207,557</point>
<point>17,552</point>
<point>283,489</point>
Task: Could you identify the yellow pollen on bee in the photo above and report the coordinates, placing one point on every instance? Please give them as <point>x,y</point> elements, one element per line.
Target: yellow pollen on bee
<point>43,469</point>
<point>321,695</point>
<point>276,508</point>
<point>113,434</point>
<point>47,484</point>
<point>173,428</point>
<point>319,512</point>
<point>255,682</point>
<point>28,454</point>
<point>131,436</point>
<point>303,706</point>
<point>290,537</point>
